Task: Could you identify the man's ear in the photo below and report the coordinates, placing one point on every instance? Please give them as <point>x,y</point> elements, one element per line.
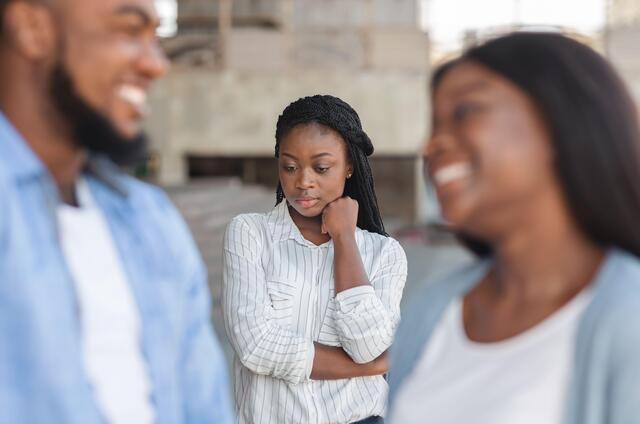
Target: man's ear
<point>31,29</point>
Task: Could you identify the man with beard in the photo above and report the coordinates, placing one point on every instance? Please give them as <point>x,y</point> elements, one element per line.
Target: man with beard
<point>104,309</point>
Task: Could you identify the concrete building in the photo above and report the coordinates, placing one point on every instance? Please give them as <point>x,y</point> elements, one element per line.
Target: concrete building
<point>238,63</point>
<point>621,38</point>
<point>623,12</point>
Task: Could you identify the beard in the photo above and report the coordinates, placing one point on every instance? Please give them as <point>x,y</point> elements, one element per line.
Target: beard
<point>89,128</point>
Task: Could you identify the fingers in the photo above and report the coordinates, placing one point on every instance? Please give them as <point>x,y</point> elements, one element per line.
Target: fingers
<point>339,216</point>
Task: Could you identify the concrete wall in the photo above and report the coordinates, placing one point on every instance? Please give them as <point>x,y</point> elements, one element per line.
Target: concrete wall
<point>307,14</point>
<point>622,49</point>
<point>264,50</point>
<point>221,101</point>
<point>244,12</point>
<point>343,14</point>
<point>623,12</point>
<point>200,112</point>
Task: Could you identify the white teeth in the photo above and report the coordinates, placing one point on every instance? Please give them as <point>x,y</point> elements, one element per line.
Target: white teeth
<point>134,95</point>
<point>451,173</point>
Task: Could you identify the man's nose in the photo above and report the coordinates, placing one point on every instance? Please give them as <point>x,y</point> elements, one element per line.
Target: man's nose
<point>153,62</point>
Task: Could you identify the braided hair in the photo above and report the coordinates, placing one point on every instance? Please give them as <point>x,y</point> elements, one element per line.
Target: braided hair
<point>336,114</point>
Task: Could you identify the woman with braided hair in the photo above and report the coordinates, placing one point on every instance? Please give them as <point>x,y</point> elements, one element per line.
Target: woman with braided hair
<point>312,289</point>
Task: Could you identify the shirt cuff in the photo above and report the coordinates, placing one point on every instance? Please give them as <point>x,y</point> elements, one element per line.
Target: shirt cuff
<point>353,296</point>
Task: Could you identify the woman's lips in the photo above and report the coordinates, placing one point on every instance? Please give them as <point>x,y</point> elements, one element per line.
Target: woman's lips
<point>307,202</point>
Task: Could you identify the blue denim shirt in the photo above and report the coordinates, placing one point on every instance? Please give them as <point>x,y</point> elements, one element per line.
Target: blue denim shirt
<point>42,379</point>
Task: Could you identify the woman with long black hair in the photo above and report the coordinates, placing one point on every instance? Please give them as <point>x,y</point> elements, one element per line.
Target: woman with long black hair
<point>312,289</point>
<point>534,153</point>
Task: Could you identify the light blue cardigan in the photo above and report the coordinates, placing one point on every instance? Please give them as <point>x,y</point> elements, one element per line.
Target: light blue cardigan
<point>605,385</point>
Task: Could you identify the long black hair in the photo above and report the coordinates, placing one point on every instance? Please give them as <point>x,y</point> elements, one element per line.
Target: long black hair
<point>3,5</point>
<point>593,124</point>
<point>338,115</point>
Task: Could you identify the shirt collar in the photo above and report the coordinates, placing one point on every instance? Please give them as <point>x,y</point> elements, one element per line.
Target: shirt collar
<point>283,228</point>
<point>281,225</point>
<point>107,173</point>
<point>17,158</point>
<point>20,161</point>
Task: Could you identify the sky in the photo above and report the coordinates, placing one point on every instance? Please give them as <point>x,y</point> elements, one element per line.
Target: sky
<point>168,11</point>
<point>447,20</point>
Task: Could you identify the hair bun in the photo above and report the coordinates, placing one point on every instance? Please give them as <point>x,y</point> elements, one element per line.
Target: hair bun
<point>362,141</point>
<point>326,110</point>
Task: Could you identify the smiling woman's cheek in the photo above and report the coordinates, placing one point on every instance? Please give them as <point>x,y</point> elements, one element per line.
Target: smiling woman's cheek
<point>503,145</point>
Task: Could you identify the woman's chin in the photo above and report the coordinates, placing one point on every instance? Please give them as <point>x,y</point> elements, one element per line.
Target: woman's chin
<point>313,212</point>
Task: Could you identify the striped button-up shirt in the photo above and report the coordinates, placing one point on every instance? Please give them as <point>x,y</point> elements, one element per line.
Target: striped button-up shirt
<point>279,298</point>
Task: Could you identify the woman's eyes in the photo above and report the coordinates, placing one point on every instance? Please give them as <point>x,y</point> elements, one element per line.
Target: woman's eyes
<point>319,169</point>
<point>463,111</point>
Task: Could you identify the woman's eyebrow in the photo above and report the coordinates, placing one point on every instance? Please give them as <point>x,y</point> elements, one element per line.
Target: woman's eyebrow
<point>319,155</point>
<point>470,87</point>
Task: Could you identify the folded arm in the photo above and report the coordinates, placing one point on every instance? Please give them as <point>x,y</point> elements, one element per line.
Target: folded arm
<point>260,343</point>
<point>366,315</point>
<point>333,363</point>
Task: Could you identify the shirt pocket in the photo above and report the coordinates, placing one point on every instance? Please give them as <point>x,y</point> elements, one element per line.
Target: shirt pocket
<point>282,295</point>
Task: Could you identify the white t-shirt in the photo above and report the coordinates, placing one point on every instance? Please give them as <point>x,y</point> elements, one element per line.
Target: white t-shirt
<point>521,380</point>
<point>108,312</point>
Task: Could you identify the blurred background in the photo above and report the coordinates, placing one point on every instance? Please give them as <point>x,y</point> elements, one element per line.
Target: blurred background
<point>236,64</point>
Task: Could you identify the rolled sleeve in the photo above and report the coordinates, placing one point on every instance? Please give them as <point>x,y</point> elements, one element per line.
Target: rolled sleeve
<point>366,316</point>
<point>348,299</point>
<point>263,346</point>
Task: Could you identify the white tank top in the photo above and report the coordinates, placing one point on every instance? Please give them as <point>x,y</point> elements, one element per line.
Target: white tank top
<point>521,380</point>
